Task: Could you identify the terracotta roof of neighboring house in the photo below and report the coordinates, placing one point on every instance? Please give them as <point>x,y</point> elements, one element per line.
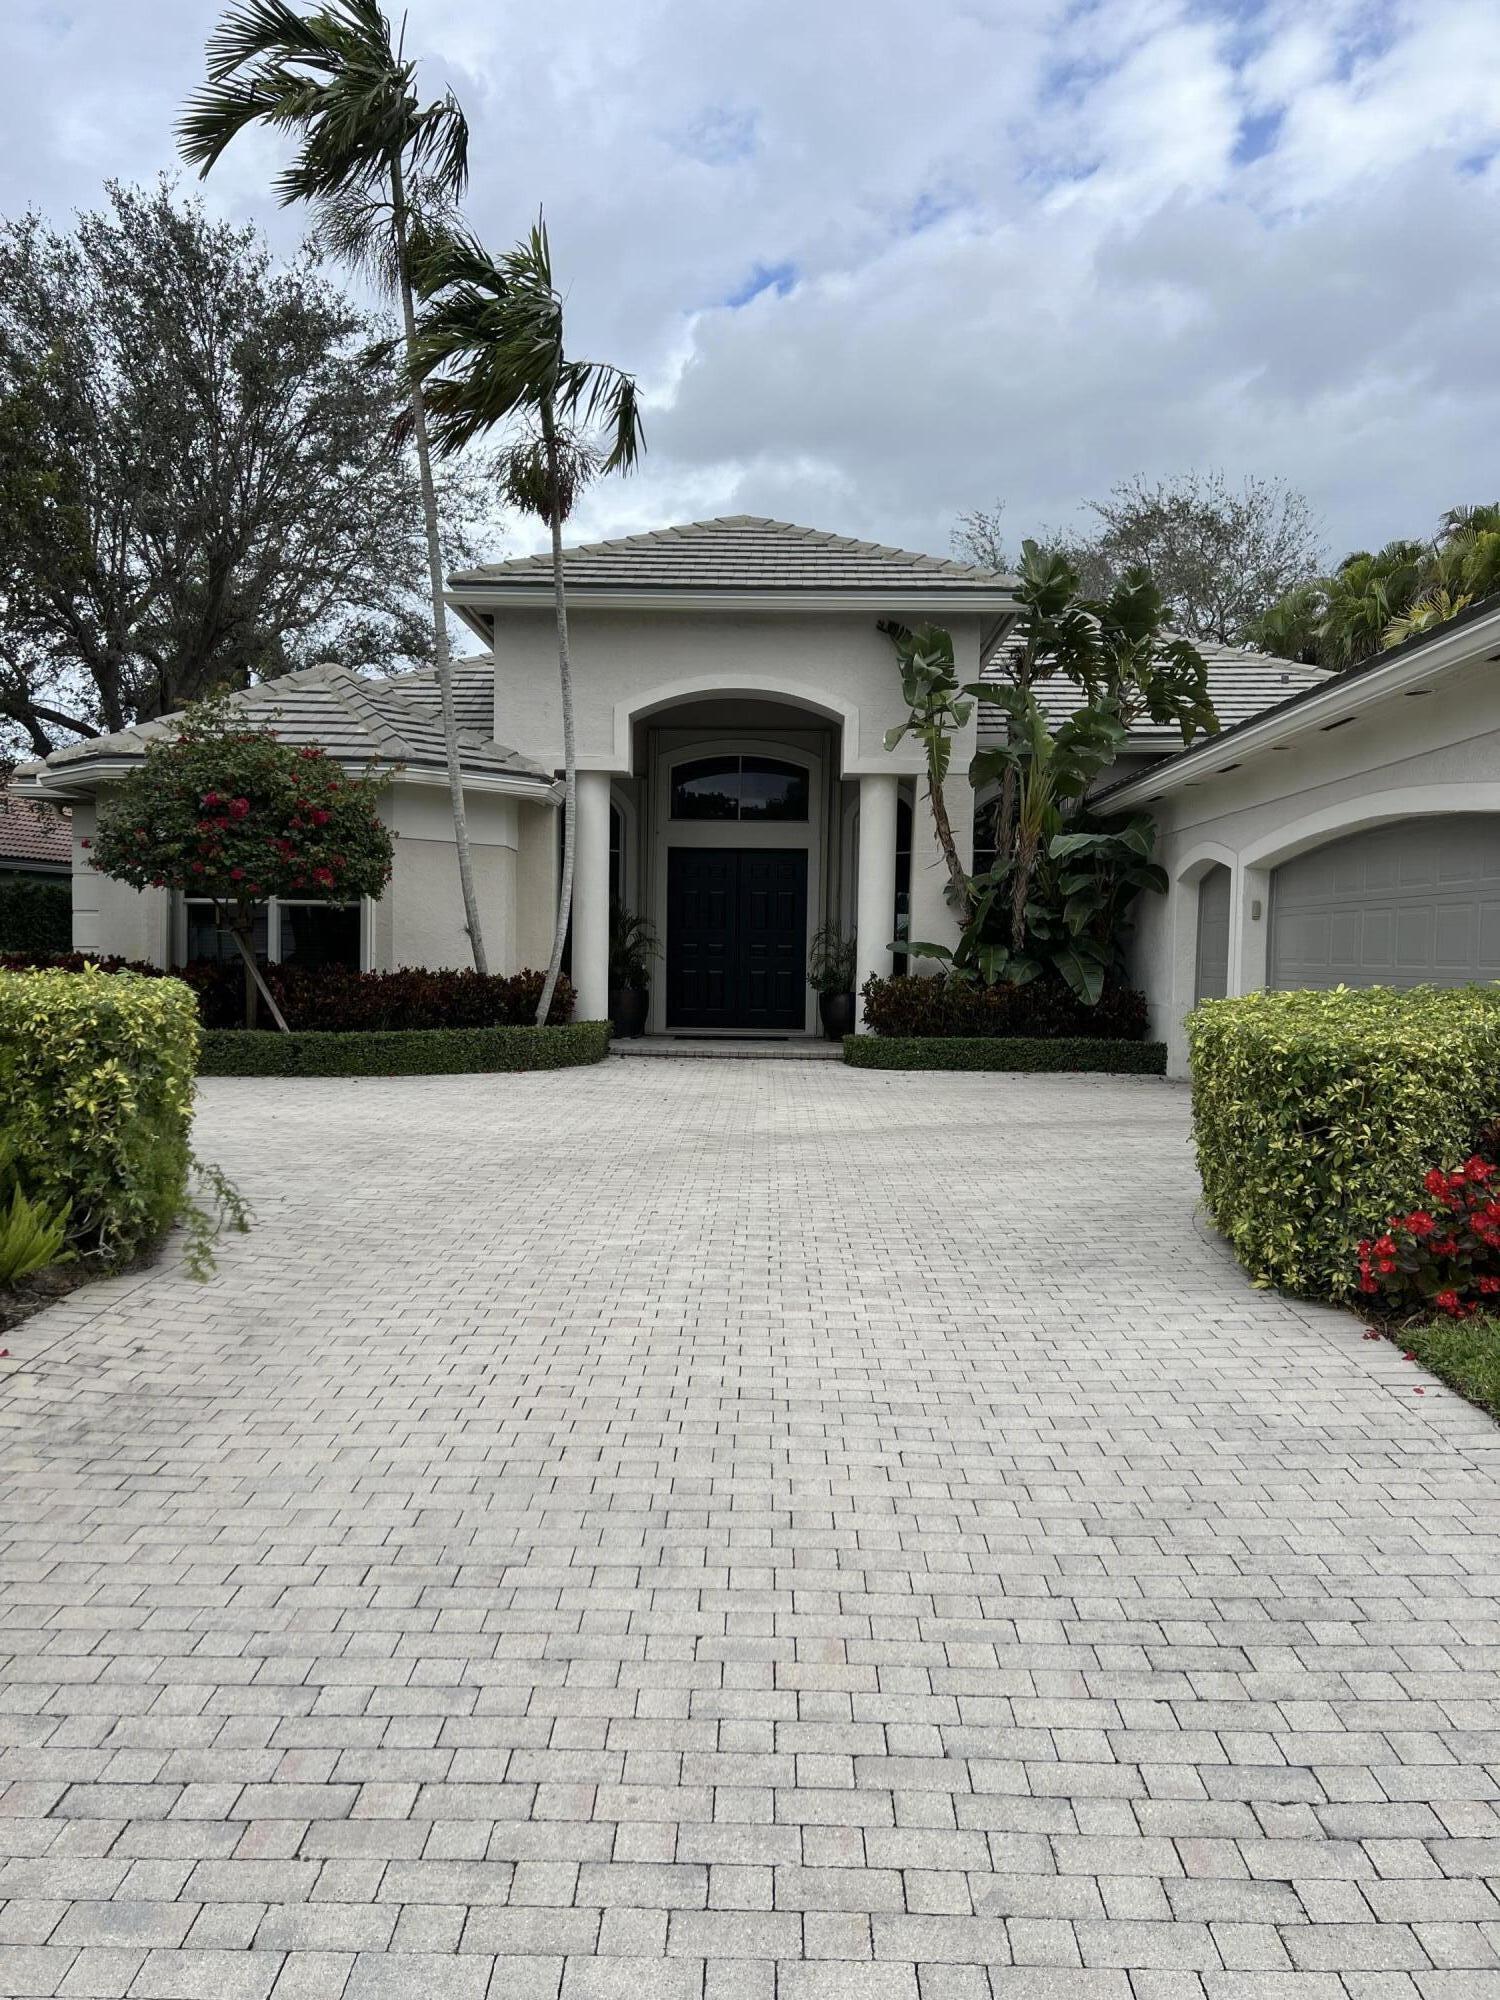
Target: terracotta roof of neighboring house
<point>741,552</point>
<point>31,830</point>
<point>357,720</point>
<point>1241,684</point>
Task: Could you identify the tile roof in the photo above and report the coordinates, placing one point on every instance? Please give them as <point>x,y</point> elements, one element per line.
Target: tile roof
<point>32,830</point>
<point>356,719</point>
<point>740,552</point>
<point>1241,684</point>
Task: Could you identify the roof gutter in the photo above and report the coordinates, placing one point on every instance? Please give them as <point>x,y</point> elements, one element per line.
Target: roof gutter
<point>479,597</point>
<point>1454,645</point>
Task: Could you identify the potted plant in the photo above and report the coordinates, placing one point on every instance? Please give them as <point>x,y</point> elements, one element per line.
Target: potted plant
<point>632,946</point>
<point>830,973</point>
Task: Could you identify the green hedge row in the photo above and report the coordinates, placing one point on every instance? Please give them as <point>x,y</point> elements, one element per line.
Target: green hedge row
<point>96,1097</point>
<point>36,914</point>
<point>1006,1052</point>
<point>1317,1114</point>
<point>401,1051</point>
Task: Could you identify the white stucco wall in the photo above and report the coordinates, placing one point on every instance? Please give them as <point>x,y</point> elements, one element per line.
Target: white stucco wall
<point>418,921</point>
<point>109,917</point>
<point>629,664</point>
<point>1402,757</point>
<point>426,913</point>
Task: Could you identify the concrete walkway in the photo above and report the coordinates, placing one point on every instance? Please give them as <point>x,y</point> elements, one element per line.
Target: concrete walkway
<point>737,1529</point>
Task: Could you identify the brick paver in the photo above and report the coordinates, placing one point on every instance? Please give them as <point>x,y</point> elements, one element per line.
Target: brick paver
<point>745,1529</point>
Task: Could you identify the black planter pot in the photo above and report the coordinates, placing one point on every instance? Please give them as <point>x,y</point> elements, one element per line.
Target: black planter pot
<point>627,1011</point>
<point>837,1010</point>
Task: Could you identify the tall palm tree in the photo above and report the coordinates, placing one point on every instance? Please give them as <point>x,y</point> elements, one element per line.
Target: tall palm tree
<point>377,164</point>
<point>1364,594</point>
<point>489,347</point>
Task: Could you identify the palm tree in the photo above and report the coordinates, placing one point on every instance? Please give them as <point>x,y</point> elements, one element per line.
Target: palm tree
<point>490,348</point>
<point>381,168</point>
<point>1364,594</point>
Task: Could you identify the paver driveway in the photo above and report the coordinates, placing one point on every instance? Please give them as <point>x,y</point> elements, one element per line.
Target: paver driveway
<point>734,1529</point>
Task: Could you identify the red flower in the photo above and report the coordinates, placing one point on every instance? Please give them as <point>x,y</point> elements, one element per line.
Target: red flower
<point>1435,1181</point>
<point>254,888</point>
<point>324,876</point>
<point>210,799</point>
<point>85,842</point>
<point>1420,1223</point>
<point>239,808</point>
<point>1450,1303</point>
<point>1478,1169</point>
<point>236,874</point>
<point>321,816</point>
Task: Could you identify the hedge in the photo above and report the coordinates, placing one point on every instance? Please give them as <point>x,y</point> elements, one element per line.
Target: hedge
<point>36,915</point>
<point>402,1051</point>
<point>1316,1115</point>
<point>96,1092</point>
<point>333,998</point>
<point>1033,1053</point>
<point>913,1005</point>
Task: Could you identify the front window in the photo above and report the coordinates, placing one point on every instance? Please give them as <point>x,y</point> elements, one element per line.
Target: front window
<point>739,788</point>
<point>284,933</point>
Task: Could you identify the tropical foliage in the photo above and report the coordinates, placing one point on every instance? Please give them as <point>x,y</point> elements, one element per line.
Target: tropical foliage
<point>633,946</point>
<point>1054,900</point>
<point>490,349</point>
<point>831,960</point>
<point>32,1233</point>
<point>231,814</point>
<point>383,171</point>
<point>1379,598</point>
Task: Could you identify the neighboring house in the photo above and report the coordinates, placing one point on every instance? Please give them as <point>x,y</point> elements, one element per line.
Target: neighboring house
<point>733,694</point>
<point>35,839</point>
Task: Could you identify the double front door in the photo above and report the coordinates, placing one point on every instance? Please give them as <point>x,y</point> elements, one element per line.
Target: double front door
<point>736,938</point>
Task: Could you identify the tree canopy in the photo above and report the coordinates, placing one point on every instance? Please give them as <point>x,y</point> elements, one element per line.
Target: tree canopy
<point>200,486</point>
<point>1219,555</point>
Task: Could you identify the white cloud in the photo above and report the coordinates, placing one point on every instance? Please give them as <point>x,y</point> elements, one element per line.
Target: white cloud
<point>1036,245</point>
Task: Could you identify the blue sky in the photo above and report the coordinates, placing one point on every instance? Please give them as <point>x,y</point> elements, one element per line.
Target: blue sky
<point>877,261</point>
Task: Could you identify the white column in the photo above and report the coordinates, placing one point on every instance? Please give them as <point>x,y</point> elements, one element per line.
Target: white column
<point>591,898</point>
<point>875,915</point>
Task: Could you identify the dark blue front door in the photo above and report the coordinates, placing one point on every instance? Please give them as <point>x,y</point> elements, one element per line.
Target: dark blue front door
<point>736,938</point>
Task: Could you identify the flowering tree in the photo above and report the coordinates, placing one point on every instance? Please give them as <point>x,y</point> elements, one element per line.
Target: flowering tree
<point>233,815</point>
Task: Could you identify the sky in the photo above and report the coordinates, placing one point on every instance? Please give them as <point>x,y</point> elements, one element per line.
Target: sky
<point>876,262</point>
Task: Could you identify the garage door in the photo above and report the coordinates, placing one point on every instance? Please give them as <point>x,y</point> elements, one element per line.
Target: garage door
<point>1397,905</point>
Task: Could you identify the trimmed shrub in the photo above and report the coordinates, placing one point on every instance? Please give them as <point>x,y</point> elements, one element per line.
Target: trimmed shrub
<point>96,1095</point>
<point>1033,1053</point>
<point>403,1051</point>
<point>331,998</point>
<point>35,914</point>
<point>1318,1114</point>
<point>908,1005</point>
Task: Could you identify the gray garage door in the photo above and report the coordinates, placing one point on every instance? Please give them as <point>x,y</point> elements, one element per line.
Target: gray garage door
<point>1212,980</point>
<point>1398,905</point>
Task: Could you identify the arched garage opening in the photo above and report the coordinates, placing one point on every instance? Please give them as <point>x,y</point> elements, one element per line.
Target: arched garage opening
<point>1407,903</point>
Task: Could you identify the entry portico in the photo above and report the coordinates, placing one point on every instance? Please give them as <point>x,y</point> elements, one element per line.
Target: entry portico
<point>732,694</point>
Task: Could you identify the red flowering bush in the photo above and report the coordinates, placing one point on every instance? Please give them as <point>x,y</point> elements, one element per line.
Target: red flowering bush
<point>235,815</point>
<point>1444,1256</point>
<point>909,1005</point>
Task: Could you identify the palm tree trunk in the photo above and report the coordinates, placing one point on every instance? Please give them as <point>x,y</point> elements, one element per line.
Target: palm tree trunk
<point>570,751</point>
<point>442,660</point>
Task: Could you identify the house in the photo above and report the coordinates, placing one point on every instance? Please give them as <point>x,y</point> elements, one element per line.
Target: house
<point>733,694</point>
<point>36,842</point>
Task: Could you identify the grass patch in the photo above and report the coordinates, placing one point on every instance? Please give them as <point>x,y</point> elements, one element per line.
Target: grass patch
<point>402,1051</point>
<point>1464,1353</point>
<point>1033,1054</point>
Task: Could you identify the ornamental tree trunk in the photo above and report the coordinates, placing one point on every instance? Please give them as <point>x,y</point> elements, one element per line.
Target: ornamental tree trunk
<point>570,756</point>
<point>241,931</point>
<point>443,663</point>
